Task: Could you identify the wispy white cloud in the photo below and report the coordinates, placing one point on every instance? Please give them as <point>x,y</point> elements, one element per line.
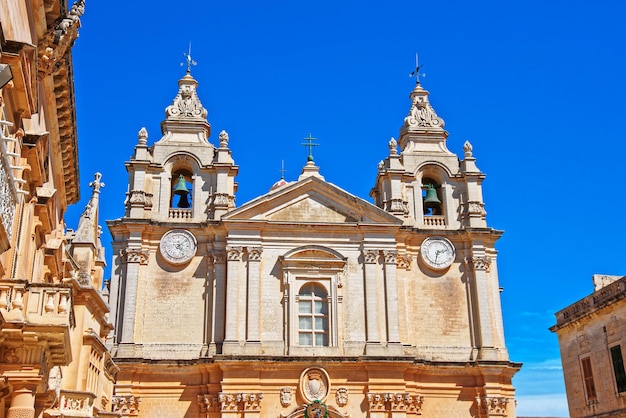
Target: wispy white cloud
<point>552,405</point>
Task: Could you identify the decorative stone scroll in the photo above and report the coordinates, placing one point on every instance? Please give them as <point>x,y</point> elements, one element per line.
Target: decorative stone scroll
<point>370,256</point>
<point>140,198</point>
<point>395,402</point>
<point>126,404</point>
<point>422,114</point>
<point>492,406</point>
<point>135,255</point>
<point>230,402</point>
<point>285,396</point>
<point>254,253</point>
<point>341,396</point>
<point>404,261</point>
<point>219,257</point>
<point>480,263</point>
<point>474,208</point>
<point>390,256</point>
<point>234,253</point>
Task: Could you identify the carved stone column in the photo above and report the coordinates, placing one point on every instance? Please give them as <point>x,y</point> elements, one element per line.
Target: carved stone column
<point>391,293</point>
<point>254,291</point>
<point>370,265</point>
<point>22,404</point>
<point>235,326</point>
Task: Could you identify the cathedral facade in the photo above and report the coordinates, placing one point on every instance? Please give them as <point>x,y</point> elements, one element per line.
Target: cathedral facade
<point>306,301</point>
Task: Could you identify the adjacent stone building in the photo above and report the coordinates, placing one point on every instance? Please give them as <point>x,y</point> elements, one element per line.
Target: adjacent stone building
<point>53,316</point>
<point>306,301</point>
<point>591,334</point>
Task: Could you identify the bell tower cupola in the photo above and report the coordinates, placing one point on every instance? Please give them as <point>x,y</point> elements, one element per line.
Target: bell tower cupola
<point>182,177</point>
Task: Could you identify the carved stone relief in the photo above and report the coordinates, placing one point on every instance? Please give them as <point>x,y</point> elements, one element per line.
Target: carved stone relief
<point>341,396</point>
<point>314,384</point>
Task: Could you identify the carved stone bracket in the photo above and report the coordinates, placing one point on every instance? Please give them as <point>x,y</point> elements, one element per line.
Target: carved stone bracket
<point>479,263</point>
<point>126,404</point>
<point>59,39</point>
<point>370,256</point>
<point>240,401</point>
<point>492,406</point>
<point>404,261</point>
<point>134,255</point>
<point>395,402</point>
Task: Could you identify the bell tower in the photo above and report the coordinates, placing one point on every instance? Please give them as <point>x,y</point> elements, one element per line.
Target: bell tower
<point>176,186</point>
<point>440,197</point>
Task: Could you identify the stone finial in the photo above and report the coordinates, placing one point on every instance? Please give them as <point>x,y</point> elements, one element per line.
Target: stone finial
<point>186,103</point>
<point>142,135</point>
<point>381,165</point>
<point>393,146</point>
<point>467,149</point>
<point>224,139</point>
<point>96,184</point>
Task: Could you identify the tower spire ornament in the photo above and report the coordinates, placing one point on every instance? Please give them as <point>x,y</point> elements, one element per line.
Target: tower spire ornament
<point>310,145</point>
<point>416,71</point>
<point>189,60</point>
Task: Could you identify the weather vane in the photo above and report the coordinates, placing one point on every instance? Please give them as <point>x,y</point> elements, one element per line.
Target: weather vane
<point>416,71</point>
<point>310,145</point>
<point>189,60</point>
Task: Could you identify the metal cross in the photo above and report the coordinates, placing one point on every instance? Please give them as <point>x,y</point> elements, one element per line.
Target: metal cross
<point>310,144</point>
<point>416,71</point>
<point>282,170</point>
<point>189,60</point>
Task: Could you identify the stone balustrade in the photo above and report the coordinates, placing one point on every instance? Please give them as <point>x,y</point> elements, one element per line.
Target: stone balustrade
<point>434,221</point>
<point>180,214</point>
<point>36,303</point>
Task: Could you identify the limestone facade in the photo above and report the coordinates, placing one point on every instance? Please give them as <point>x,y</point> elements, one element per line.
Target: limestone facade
<point>53,315</point>
<point>592,339</point>
<point>308,300</point>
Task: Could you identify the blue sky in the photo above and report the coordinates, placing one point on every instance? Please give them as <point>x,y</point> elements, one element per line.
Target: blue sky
<point>537,87</point>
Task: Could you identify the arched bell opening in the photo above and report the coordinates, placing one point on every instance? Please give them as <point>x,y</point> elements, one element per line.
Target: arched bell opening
<point>181,188</point>
<point>432,197</point>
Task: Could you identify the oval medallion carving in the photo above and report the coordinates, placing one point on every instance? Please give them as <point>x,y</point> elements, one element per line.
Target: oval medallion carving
<point>314,384</point>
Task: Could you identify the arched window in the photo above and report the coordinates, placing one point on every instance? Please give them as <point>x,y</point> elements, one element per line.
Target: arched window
<point>313,316</point>
<point>181,190</point>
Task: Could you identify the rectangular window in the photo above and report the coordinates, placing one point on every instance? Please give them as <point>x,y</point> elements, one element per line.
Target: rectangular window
<point>618,368</point>
<point>590,388</point>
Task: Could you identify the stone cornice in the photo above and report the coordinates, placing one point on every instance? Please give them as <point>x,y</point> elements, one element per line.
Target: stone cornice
<point>608,295</point>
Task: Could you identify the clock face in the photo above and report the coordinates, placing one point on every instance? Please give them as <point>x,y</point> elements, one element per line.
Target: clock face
<point>178,246</point>
<point>437,252</point>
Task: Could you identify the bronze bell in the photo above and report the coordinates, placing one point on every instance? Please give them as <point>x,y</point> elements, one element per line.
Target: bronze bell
<point>431,201</point>
<point>181,190</point>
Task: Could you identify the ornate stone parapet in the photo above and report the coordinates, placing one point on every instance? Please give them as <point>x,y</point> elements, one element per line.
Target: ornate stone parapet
<point>181,214</point>
<point>127,405</point>
<point>230,402</point>
<point>492,406</point>
<point>395,402</point>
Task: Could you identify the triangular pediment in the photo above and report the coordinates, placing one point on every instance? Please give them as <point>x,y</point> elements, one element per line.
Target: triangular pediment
<point>312,200</point>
